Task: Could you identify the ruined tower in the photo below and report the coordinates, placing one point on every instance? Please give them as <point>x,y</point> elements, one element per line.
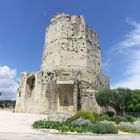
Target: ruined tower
<point>70,71</point>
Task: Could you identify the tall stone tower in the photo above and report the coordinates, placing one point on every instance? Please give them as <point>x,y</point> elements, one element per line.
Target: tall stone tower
<point>70,72</point>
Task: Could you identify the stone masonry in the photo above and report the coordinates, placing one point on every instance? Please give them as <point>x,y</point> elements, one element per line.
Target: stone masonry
<point>70,72</point>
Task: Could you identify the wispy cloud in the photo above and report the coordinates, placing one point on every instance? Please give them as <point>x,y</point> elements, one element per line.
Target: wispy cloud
<point>132,39</point>
<point>129,50</point>
<point>8,82</point>
<point>132,74</point>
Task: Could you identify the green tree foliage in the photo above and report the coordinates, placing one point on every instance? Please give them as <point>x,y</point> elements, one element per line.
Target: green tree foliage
<point>134,104</point>
<point>116,98</point>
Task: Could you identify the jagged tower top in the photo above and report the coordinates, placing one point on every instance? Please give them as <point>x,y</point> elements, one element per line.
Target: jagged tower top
<point>70,44</point>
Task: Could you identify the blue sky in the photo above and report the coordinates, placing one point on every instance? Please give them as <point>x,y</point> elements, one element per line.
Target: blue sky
<point>22,31</point>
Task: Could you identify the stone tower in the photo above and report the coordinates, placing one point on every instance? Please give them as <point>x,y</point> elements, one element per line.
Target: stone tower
<point>70,72</point>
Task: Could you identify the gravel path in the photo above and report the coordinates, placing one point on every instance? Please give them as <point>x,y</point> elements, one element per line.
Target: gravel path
<point>22,136</point>
<point>18,122</point>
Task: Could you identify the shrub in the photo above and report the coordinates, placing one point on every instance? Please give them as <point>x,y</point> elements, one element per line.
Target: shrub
<point>103,118</point>
<point>118,119</point>
<point>108,122</point>
<point>137,107</point>
<point>129,118</point>
<point>102,128</point>
<point>130,127</point>
<point>47,124</point>
<point>60,126</point>
<point>134,114</point>
<point>131,107</point>
<point>96,116</point>
<point>82,114</point>
<point>125,118</point>
<point>81,122</point>
<point>86,126</point>
<point>110,113</point>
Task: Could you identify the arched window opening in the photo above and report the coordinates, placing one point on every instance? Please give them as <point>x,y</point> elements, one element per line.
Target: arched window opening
<point>30,85</point>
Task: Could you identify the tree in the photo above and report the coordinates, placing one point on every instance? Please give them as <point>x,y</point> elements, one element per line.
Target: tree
<point>116,98</point>
<point>134,104</point>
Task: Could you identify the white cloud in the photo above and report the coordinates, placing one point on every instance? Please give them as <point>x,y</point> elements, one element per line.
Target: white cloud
<point>132,39</point>
<point>130,48</point>
<point>7,73</point>
<point>8,82</point>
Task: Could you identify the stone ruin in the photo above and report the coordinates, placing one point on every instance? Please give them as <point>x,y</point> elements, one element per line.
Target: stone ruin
<point>70,73</point>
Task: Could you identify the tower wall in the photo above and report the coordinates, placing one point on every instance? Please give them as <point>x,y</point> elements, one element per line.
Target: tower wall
<point>70,44</point>
<point>70,73</point>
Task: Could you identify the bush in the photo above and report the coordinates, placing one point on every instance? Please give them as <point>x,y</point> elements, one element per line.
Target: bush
<point>130,127</point>
<point>125,118</point>
<point>137,107</point>
<point>83,126</point>
<point>102,128</point>
<point>131,107</point>
<point>96,116</point>
<point>134,114</point>
<point>82,114</point>
<point>103,118</point>
<point>60,126</point>
<point>129,118</point>
<point>81,122</point>
<point>118,119</point>
<point>110,113</point>
<point>47,124</point>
